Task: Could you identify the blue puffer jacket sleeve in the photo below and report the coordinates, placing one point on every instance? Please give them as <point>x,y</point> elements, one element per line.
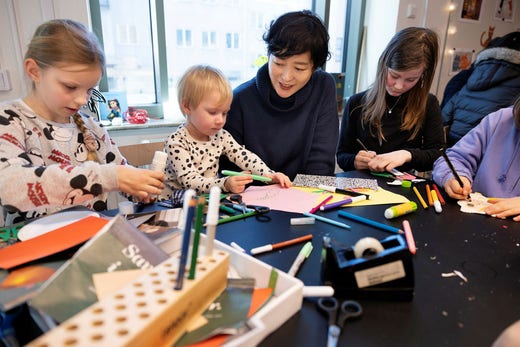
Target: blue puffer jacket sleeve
<point>494,84</point>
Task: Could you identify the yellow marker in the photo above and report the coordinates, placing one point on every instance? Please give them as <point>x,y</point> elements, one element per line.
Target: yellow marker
<point>421,200</point>
<point>436,202</point>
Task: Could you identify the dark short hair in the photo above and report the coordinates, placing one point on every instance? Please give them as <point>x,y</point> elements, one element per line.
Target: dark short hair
<point>296,33</point>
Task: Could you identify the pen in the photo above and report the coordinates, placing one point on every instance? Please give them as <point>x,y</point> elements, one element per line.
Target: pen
<point>199,215</point>
<point>421,200</point>
<point>255,177</point>
<point>340,203</point>
<point>327,220</point>
<point>185,242</point>
<point>237,247</point>
<point>439,195</point>
<point>341,191</point>
<point>188,194</point>
<point>317,207</point>
<point>382,174</point>
<point>409,236</point>
<point>362,145</point>
<point>370,222</point>
<point>302,255</point>
<point>429,195</point>
<point>227,209</point>
<point>236,217</point>
<point>237,207</point>
<point>212,218</point>
<point>450,165</point>
<point>271,247</point>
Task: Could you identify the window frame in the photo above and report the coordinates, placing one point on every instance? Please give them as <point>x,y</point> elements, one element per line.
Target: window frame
<point>350,60</point>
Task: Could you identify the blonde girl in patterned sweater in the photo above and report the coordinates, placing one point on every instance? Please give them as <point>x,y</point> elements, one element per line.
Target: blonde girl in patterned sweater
<point>51,155</point>
<point>194,149</point>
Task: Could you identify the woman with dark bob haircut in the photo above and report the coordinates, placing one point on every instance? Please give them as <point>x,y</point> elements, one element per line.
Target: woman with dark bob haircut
<point>287,114</point>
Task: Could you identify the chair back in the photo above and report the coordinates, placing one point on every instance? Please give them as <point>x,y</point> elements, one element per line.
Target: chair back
<point>141,154</point>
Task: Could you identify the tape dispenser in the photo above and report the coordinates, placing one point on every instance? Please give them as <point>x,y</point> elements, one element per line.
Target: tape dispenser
<point>375,269</point>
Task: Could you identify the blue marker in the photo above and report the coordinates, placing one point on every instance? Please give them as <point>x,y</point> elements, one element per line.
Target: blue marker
<point>185,243</point>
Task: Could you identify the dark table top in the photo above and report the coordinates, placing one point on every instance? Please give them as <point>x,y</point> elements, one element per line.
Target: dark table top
<point>445,311</point>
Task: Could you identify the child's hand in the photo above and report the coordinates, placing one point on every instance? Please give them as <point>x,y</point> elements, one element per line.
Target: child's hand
<point>503,208</point>
<point>362,158</point>
<point>139,182</point>
<point>237,184</point>
<point>281,179</point>
<point>453,189</point>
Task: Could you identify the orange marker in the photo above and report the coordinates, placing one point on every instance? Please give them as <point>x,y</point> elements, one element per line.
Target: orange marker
<point>429,195</point>
<point>409,236</point>
<point>439,195</point>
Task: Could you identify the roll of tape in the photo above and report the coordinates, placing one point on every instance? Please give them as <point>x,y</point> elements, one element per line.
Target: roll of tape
<point>126,207</point>
<point>367,247</point>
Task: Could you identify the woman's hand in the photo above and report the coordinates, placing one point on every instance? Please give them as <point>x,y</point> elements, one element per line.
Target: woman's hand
<point>362,158</point>
<point>237,184</point>
<point>454,190</point>
<point>389,161</point>
<point>503,208</point>
<point>281,179</point>
<point>140,183</point>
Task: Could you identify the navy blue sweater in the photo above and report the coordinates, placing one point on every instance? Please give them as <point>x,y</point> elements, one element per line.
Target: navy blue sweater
<point>295,135</point>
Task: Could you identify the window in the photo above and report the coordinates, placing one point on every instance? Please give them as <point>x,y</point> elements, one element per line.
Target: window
<point>183,38</point>
<point>150,43</point>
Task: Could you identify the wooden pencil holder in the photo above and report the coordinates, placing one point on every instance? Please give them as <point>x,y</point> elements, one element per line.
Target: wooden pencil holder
<point>147,311</point>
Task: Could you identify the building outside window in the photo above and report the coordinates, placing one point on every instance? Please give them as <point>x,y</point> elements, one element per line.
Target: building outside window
<point>224,33</point>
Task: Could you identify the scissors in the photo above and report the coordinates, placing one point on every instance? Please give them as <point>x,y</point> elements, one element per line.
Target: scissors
<point>238,199</point>
<point>338,314</point>
<point>261,211</point>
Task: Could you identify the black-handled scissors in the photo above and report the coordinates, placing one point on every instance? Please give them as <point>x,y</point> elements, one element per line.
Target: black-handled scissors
<point>338,314</point>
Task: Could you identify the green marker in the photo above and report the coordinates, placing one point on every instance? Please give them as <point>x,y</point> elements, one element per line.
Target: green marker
<point>236,217</point>
<point>199,215</point>
<point>255,177</point>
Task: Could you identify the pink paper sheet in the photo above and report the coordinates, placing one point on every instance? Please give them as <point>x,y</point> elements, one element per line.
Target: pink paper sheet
<point>277,198</point>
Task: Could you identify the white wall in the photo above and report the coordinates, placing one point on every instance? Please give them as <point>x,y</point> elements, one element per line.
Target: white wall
<point>454,33</point>
<point>380,24</point>
<point>18,20</point>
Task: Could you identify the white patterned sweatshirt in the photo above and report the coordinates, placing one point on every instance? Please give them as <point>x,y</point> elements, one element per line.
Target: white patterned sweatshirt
<point>194,164</point>
<point>44,167</point>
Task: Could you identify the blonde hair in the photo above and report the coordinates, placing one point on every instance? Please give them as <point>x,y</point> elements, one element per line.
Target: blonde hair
<point>63,41</point>
<point>410,48</point>
<point>199,80</point>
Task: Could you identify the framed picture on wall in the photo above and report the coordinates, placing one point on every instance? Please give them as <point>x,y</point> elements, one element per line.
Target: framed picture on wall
<point>461,59</point>
<point>470,10</point>
<point>504,10</point>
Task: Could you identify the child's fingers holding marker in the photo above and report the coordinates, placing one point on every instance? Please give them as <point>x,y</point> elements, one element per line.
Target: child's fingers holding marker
<point>237,184</point>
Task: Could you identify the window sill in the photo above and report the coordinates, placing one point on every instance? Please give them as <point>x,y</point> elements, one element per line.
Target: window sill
<point>152,123</point>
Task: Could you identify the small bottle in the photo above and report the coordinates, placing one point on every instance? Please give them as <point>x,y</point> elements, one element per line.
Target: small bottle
<point>401,209</point>
<point>158,164</point>
<point>159,161</point>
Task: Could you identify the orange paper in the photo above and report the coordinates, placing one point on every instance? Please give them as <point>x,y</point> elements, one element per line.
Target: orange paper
<point>51,243</point>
